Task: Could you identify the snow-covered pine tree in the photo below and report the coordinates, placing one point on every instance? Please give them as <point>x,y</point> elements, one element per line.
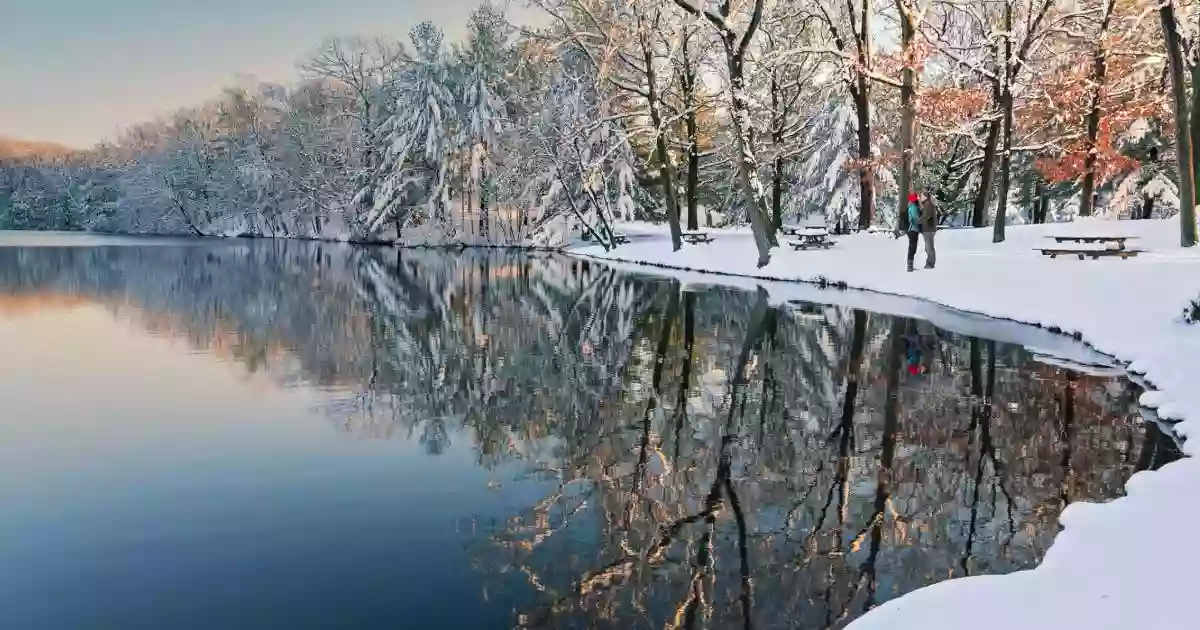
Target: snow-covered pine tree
<point>417,143</point>
<point>484,61</point>
<point>826,183</point>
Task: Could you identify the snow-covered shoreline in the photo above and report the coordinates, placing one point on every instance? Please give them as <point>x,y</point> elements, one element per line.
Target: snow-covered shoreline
<point>1101,571</point>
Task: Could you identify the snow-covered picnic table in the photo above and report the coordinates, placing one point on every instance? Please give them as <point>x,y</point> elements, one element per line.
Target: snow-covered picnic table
<point>807,235</point>
<point>1090,252</point>
<point>1119,240</point>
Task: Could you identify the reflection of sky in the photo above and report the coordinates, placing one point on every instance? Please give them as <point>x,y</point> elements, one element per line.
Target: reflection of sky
<point>74,71</point>
<point>143,482</point>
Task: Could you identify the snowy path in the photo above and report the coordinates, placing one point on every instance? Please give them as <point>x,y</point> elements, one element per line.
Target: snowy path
<point>1118,565</point>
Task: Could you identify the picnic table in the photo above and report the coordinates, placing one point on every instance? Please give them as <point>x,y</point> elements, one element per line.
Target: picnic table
<point>1120,250</point>
<point>619,238</point>
<point>696,237</point>
<point>1119,240</point>
<point>811,237</point>
<point>797,230</point>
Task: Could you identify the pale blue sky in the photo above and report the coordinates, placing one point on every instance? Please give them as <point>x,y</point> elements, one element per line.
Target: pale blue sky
<point>76,71</point>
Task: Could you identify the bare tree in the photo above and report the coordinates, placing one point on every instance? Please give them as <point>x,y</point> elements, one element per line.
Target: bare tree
<point>736,45</point>
<point>364,66</point>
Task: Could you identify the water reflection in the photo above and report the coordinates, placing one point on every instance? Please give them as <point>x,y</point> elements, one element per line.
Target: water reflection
<point>715,460</point>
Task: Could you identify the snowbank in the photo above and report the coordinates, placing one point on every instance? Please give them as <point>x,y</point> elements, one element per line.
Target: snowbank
<point>1113,565</point>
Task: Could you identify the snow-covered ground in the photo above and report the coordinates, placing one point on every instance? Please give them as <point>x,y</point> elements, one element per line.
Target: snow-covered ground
<point>1123,564</point>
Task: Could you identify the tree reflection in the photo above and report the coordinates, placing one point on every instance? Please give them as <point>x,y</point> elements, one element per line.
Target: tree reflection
<point>716,460</point>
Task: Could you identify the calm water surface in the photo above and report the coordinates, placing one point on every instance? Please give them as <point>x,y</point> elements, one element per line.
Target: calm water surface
<point>282,435</point>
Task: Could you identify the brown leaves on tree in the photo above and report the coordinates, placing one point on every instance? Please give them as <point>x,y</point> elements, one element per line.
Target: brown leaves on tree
<point>951,106</point>
<point>1065,94</point>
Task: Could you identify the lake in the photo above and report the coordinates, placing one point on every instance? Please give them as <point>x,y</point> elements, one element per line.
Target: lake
<point>258,434</point>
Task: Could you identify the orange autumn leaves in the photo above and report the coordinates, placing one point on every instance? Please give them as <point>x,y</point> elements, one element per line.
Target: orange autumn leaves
<point>1065,95</point>
<point>1054,94</point>
<point>943,107</point>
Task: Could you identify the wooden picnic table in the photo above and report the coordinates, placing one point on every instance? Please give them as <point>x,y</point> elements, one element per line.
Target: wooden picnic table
<point>797,230</point>
<point>696,237</point>
<point>619,238</point>
<point>1119,240</point>
<point>812,237</point>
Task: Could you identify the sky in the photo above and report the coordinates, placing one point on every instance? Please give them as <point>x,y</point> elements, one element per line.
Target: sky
<point>78,71</point>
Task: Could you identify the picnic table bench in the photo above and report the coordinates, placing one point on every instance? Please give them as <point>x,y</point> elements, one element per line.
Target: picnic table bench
<point>1094,254</point>
<point>696,237</point>
<point>1088,253</point>
<point>811,237</point>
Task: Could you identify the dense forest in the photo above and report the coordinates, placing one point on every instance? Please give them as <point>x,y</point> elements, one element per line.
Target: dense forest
<point>683,111</point>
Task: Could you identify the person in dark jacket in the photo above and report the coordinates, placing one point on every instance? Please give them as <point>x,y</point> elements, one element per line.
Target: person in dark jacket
<point>928,230</point>
<point>914,226</point>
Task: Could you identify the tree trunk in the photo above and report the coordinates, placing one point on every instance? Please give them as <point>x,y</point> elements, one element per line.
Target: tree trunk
<point>670,192</point>
<point>664,340</point>
<point>1183,145</point>
<point>1147,209</point>
<point>688,81</point>
<point>777,194</point>
<point>1067,436</point>
<point>866,184</point>
<point>908,113</point>
<point>861,93</point>
<point>1087,196</point>
<point>777,123</point>
<point>1005,169</point>
<point>484,227</point>
<point>764,236</point>
<point>1033,200</point>
<point>1195,120</point>
<point>1006,106</point>
<point>850,397</point>
<point>693,175</point>
<point>983,196</point>
<point>668,183</point>
<point>887,453</point>
<point>1042,203</point>
<point>685,376</point>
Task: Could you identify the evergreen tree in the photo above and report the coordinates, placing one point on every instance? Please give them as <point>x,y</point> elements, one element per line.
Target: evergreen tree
<point>417,144</point>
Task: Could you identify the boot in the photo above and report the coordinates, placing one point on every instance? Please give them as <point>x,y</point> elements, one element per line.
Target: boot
<point>910,266</point>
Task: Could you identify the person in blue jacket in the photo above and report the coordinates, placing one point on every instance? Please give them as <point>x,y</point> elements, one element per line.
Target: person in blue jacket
<point>914,226</point>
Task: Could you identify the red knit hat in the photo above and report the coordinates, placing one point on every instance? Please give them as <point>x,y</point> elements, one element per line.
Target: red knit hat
<point>912,196</point>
